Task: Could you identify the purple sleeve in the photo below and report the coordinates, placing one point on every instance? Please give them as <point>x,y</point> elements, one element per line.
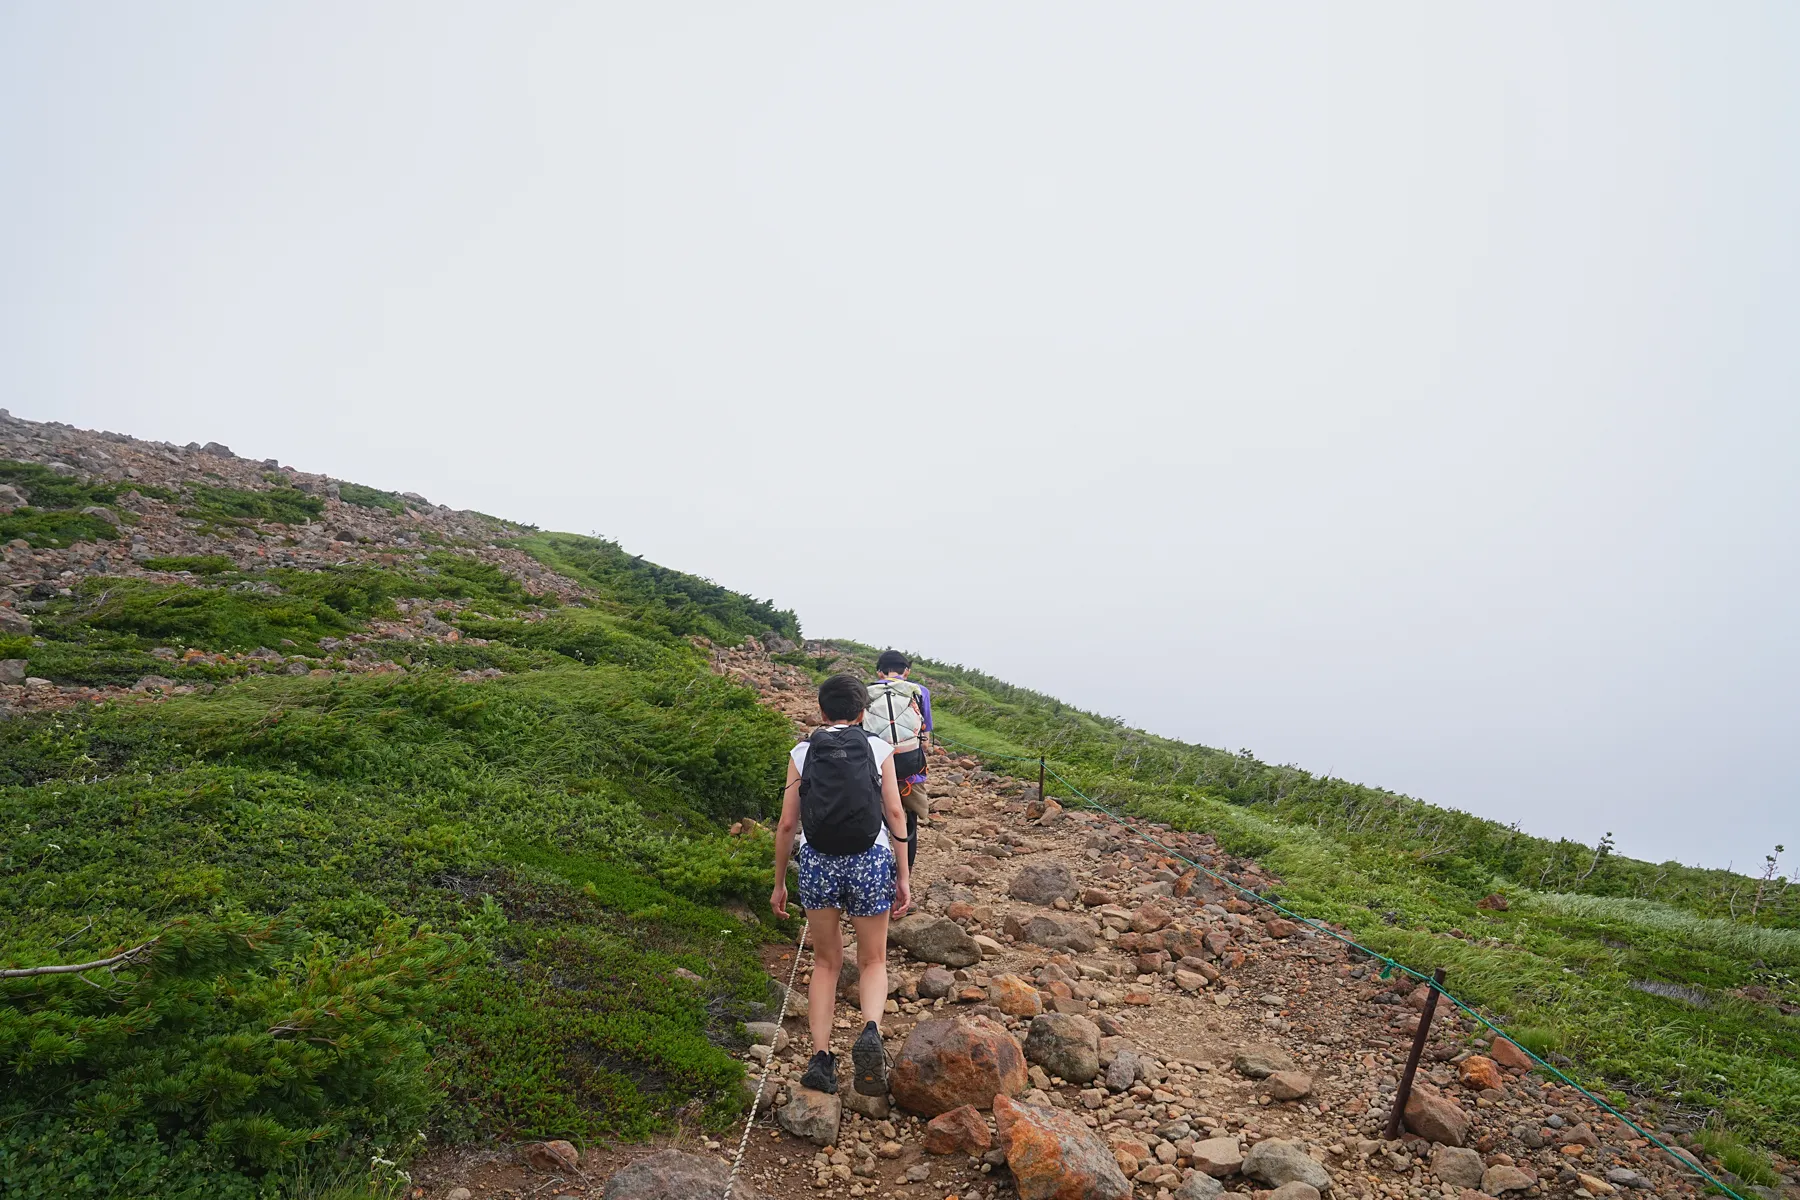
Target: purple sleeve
<point>925,705</point>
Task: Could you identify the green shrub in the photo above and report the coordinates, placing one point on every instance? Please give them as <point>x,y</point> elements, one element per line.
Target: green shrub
<point>210,617</point>
<point>283,505</point>
<point>1748,1164</point>
<point>56,529</point>
<point>44,488</point>
<point>199,564</point>
<point>368,497</point>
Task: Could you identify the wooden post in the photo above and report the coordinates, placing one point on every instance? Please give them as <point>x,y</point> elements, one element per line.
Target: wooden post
<point>1412,1060</point>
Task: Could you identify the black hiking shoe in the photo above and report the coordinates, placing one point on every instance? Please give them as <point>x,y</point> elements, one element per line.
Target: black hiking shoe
<point>821,1073</point>
<point>870,1060</point>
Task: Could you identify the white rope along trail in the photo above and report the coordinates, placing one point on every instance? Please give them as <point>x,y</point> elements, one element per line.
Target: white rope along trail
<point>737,1160</point>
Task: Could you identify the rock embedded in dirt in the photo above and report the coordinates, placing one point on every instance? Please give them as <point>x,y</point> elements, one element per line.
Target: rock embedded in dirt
<point>1064,1045</point>
<point>673,1175</point>
<point>936,940</point>
<point>935,983</point>
<point>1458,1166</point>
<point>1434,1117</point>
<point>946,1063</point>
<point>962,1130</point>
<point>553,1157</point>
<point>1277,1161</point>
<point>1260,1062</point>
<point>1069,936</point>
<point>767,1033</point>
<point>459,1193</point>
<point>1053,1155</point>
<point>1043,883</point>
<point>1123,1070</point>
<point>876,1108</point>
<point>1219,1157</point>
<point>812,1116</point>
<point>1150,918</point>
<point>1502,1178</point>
<point>1288,1085</point>
<point>1199,1186</point>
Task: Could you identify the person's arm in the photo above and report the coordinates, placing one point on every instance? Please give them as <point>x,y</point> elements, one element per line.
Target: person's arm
<point>785,828</point>
<point>895,816</point>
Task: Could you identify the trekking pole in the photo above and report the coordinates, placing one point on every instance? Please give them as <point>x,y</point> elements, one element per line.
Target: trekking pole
<point>1404,1092</point>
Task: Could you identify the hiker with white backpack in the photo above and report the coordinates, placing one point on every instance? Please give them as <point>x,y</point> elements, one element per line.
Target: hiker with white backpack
<point>900,714</point>
<point>842,804</point>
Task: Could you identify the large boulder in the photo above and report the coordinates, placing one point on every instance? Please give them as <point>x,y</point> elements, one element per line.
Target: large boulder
<point>1054,1156</point>
<point>945,1063</point>
<point>1043,883</point>
<point>1065,1045</point>
<point>1435,1118</point>
<point>673,1175</point>
<point>812,1116</point>
<point>936,940</point>
<point>1278,1161</point>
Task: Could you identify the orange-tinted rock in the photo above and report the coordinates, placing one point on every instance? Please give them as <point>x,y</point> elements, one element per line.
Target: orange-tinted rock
<point>1481,1073</point>
<point>1281,927</point>
<point>1014,996</point>
<point>946,1063</point>
<point>960,1131</point>
<point>1055,1156</point>
<point>556,1157</point>
<point>1493,902</point>
<point>1151,917</point>
<point>1508,1055</point>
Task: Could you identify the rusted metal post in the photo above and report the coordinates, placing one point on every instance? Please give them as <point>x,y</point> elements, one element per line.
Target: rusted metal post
<point>1041,796</point>
<point>1412,1060</point>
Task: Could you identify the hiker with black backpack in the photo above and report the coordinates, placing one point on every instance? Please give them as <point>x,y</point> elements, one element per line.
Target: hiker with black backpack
<point>842,800</point>
<point>900,714</point>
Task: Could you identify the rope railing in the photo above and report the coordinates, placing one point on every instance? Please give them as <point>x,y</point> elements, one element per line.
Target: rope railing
<point>1390,965</point>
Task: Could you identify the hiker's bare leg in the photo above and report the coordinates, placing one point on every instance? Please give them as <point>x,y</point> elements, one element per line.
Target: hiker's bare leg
<point>824,926</point>
<point>871,961</point>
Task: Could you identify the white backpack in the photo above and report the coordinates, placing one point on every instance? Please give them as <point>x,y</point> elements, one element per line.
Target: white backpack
<point>893,714</point>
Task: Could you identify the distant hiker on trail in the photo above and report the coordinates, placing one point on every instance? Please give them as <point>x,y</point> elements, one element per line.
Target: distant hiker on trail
<point>843,799</point>
<point>900,715</point>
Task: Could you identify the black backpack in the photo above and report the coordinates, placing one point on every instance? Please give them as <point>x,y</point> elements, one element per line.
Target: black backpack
<point>840,792</point>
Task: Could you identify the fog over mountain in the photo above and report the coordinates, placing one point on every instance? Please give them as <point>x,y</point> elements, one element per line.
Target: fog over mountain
<point>1407,394</point>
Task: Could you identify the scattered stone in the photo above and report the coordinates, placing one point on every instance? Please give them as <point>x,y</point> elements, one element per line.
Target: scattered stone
<point>13,670</point>
<point>1219,1157</point>
<point>1502,1178</point>
<point>1276,1161</point>
<point>936,940</point>
<point>946,1063</point>
<point>876,1108</point>
<point>1280,927</point>
<point>1289,1085</point>
<point>1492,902</point>
<point>1065,1045</point>
<point>1199,1186</point>
<point>960,1131</point>
<point>1043,883</point>
<point>767,1033</point>
<point>459,1193</point>
<point>1458,1166</point>
<point>1123,1070</point>
<point>1295,1191</point>
<point>1625,1177</point>
<point>674,1175</point>
<point>935,983</point>
<point>1053,1155</point>
<point>811,1116</point>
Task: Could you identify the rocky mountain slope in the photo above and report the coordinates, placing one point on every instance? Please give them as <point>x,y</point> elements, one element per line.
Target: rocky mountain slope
<point>439,775</point>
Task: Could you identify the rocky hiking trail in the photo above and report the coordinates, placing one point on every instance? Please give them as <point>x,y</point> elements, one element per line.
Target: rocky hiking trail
<point>1074,1014</point>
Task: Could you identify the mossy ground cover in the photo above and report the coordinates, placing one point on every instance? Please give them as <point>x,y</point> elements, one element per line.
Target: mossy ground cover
<point>387,904</point>
<point>1404,878</point>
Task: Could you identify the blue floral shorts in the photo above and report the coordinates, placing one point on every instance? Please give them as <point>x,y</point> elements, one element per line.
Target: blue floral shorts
<point>860,884</point>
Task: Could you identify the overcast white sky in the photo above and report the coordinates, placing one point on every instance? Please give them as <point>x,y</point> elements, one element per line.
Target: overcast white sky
<point>1406,391</point>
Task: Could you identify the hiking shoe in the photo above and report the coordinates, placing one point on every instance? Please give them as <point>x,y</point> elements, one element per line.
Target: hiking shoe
<point>870,1060</point>
<point>821,1073</point>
